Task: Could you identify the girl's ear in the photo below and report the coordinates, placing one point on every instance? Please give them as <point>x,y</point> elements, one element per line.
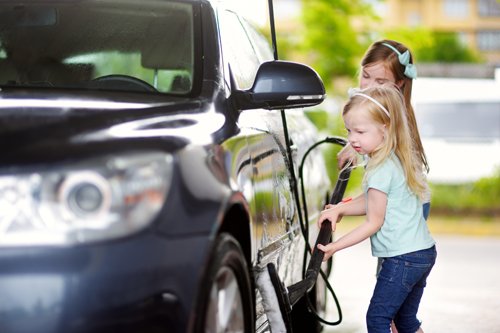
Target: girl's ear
<point>401,83</point>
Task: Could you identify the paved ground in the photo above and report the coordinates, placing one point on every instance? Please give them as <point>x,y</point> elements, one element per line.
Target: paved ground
<point>462,294</point>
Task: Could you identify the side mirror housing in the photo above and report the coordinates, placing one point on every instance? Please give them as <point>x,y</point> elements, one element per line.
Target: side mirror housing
<point>281,85</point>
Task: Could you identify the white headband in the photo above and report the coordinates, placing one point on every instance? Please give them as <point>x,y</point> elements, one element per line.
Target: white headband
<point>374,101</point>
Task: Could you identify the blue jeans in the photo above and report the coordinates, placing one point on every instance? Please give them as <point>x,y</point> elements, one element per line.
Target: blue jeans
<point>397,294</point>
<point>427,209</point>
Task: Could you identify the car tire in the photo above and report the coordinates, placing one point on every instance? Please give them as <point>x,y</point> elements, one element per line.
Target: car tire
<point>226,303</point>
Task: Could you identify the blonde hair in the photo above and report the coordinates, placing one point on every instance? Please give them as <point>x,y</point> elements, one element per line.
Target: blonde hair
<point>379,53</point>
<point>398,139</point>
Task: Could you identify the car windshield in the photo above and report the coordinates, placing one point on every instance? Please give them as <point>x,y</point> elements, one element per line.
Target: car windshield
<point>145,45</point>
<point>474,121</point>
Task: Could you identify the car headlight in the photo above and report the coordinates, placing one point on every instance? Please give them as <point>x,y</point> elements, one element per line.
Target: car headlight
<point>101,198</point>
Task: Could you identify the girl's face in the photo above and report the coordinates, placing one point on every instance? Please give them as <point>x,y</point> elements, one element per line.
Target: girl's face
<point>376,75</point>
<point>363,135</point>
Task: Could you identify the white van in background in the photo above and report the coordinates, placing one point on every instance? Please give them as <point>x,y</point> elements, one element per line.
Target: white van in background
<point>459,124</point>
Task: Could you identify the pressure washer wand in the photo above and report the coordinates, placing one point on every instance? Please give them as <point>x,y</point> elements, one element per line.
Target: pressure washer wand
<point>297,291</point>
<point>276,296</point>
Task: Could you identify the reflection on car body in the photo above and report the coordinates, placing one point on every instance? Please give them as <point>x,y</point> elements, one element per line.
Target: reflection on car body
<point>144,178</point>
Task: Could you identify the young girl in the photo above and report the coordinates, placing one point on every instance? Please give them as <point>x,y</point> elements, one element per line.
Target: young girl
<point>377,126</point>
<point>388,61</point>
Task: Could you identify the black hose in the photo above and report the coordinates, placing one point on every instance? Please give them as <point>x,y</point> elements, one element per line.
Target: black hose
<point>293,182</point>
<point>336,198</point>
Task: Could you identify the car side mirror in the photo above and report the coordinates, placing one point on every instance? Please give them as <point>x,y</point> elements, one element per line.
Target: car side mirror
<point>281,85</point>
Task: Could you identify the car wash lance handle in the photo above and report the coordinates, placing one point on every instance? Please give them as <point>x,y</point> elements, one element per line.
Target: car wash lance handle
<point>296,291</point>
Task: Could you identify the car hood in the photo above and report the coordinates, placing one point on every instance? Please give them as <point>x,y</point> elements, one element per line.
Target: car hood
<point>49,127</point>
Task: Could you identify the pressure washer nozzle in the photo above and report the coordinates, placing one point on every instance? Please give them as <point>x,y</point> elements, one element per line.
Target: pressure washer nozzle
<point>348,199</point>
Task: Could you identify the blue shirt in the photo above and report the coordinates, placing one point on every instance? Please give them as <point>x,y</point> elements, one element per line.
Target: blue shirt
<point>405,229</point>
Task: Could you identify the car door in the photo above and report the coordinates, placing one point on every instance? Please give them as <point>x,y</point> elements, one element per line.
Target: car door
<point>272,204</point>
<point>265,178</point>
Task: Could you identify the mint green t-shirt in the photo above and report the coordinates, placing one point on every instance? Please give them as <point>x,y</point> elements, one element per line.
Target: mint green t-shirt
<point>405,229</point>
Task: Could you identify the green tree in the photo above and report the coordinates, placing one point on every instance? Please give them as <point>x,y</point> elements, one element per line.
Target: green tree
<point>416,38</point>
<point>447,48</point>
<point>328,39</point>
<point>330,36</point>
<point>429,46</point>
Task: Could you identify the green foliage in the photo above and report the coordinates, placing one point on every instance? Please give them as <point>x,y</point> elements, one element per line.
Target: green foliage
<point>480,196</point>
<point>489,188</point>
<point>416,38</point>
<point>327,40</point>
<point>447,48</point>
<point>330,38</point>
<point>428,46</point>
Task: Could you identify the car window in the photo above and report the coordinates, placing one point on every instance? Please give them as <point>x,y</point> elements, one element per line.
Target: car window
<point>145,45</point>
<point>237,50</point>
<point>459,120</point>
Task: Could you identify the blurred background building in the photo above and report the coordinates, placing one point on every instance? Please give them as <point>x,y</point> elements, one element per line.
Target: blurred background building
<point>477,22</point>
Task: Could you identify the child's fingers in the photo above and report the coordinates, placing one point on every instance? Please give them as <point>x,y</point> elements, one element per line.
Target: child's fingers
<point>327,215</point>
<point>321,219</point>
<point>328,250</point>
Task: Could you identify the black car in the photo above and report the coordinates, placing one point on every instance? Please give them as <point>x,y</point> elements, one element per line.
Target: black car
<point>145,178</point>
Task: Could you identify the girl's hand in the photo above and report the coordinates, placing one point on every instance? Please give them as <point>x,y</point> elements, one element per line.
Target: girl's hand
<point>328,249</point>
<point>347,154</point>
<point>331,215</point>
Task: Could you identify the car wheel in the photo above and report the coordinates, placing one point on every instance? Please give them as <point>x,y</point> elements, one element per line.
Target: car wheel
<point>226,300</point>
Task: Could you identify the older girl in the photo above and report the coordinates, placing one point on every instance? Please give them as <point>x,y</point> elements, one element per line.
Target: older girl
<point>388,61</point>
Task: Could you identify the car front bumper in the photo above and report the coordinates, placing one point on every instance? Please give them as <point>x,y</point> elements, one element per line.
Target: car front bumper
<point>144,283</point>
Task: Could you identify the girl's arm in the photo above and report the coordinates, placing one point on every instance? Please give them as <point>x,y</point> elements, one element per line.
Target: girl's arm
<point>375,214</point>
<point>357,207</point>
<point>359,197</point>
